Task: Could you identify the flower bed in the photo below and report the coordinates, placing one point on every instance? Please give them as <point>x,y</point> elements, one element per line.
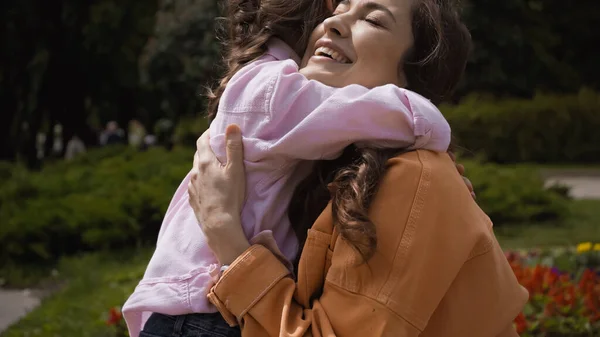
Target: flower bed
<point>563,285</point>
<point>564,291</point>
<point>116,321</point>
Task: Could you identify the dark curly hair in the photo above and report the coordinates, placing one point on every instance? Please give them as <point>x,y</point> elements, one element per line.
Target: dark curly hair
<point>249,24</point>
<point>433,68</point>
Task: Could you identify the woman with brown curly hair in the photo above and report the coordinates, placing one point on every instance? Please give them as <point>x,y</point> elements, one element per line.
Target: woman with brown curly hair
<point>284,109</point>
<point>395,246</point>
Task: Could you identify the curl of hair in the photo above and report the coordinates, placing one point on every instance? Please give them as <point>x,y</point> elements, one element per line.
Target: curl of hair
<point>249,24</point>
<point>433,68</point>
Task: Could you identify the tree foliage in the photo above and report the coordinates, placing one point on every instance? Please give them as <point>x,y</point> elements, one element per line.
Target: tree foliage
<point>82,63</point>
<point>525,46</point>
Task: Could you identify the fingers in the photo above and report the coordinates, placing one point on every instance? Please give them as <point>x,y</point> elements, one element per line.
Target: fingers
<point>203,144</point>
<point>195,166</point>
<point>204,155</point>
<point>468,183</point>
<point>452,156</point>
<point>470,187</point>
<point>234,147</point>
<point>461,169</point>
<point>193,198</point>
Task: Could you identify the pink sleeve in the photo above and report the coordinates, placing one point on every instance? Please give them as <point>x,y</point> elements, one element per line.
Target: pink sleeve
<point>310,120</point>
<point>282,113</point>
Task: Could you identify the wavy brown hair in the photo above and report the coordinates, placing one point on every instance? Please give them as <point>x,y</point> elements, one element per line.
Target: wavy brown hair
<point>433,68</point>
<point>249,24</point>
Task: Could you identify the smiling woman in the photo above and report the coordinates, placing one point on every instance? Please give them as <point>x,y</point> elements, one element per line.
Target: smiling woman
<point>345,101</point>
<point>370,38</point>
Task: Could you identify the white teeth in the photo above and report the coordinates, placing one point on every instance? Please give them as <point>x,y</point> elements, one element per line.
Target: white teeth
<point>332,53</point>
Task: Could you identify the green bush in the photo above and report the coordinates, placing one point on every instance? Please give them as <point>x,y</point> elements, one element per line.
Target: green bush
<point>116,198</point>
<point>108,198</point>
<point>512,195</point>
<point>545,129</point>
<point>189,129</point>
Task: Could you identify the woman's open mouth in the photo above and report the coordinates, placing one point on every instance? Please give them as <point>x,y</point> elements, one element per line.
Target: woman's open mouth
<point>332,54</point>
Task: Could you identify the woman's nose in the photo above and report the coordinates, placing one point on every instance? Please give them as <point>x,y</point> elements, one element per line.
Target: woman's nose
<point>336,26</point>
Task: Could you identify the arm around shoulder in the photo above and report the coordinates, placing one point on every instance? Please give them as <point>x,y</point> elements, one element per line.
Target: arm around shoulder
<point>436,267</point>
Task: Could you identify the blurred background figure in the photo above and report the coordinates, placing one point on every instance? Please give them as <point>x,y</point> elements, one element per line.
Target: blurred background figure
<point>57,143</point>
<point>112,134</point>
<point>40,145</point>
<point>136,133</point>
<point>75,147</point>
<point>149,141</point>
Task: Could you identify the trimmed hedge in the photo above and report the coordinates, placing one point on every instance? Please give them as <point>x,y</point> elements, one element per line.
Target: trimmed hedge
<point>545,129</point>
<point>512,195</point>
<point>189,129</point>
<point>116,198</point>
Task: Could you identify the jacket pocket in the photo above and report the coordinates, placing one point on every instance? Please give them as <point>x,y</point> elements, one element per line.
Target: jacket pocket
<point>312,266</point>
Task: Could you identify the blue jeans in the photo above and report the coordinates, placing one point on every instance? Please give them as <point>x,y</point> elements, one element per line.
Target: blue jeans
<point>193,325</point>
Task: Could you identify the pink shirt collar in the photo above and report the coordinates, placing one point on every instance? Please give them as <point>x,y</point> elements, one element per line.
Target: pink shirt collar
<point>281,51</point>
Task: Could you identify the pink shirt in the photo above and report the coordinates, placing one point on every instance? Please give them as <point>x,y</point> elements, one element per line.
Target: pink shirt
<point>287,122</point>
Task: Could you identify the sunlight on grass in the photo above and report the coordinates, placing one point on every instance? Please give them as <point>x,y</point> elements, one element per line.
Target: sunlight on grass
<point>582,225</point>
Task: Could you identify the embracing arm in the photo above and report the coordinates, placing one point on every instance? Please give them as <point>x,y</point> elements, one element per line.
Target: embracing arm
<point>283,113</point>
<point>257,292</point>
<point>323,120</point>
<point>436,259</point>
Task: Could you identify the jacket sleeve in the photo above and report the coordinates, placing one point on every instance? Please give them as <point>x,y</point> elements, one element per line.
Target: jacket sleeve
<point>257,292</point>
<point>437,265</point>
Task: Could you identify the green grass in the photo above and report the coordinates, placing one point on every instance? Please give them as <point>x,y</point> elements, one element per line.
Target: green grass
<point>583,225</point>
<point>96,282</point>
<point>24,276</point>
<point>93,284</point>
<point>567,166</point>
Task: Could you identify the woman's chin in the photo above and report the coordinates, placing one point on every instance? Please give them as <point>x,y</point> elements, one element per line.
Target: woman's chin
<point>326,74</point>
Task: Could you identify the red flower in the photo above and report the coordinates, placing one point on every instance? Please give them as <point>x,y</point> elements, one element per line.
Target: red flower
<point>588,277</point>
<point>555,294</point>
<point>549,309</point>
<point>521,323</point>
<point>564,278</point>
<point>114,317</point>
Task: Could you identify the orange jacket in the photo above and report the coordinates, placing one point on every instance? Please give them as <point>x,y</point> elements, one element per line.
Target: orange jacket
<point>438,269</point>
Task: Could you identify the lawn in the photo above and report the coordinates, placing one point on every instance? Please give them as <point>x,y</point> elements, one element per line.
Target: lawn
<point>93,284</point>
<point>96,282</point>
<point>583,225</point>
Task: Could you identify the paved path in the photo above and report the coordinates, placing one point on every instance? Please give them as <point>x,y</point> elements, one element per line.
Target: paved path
<point>581,187</point>
<point>14,304</point>
<point>584,184</point>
